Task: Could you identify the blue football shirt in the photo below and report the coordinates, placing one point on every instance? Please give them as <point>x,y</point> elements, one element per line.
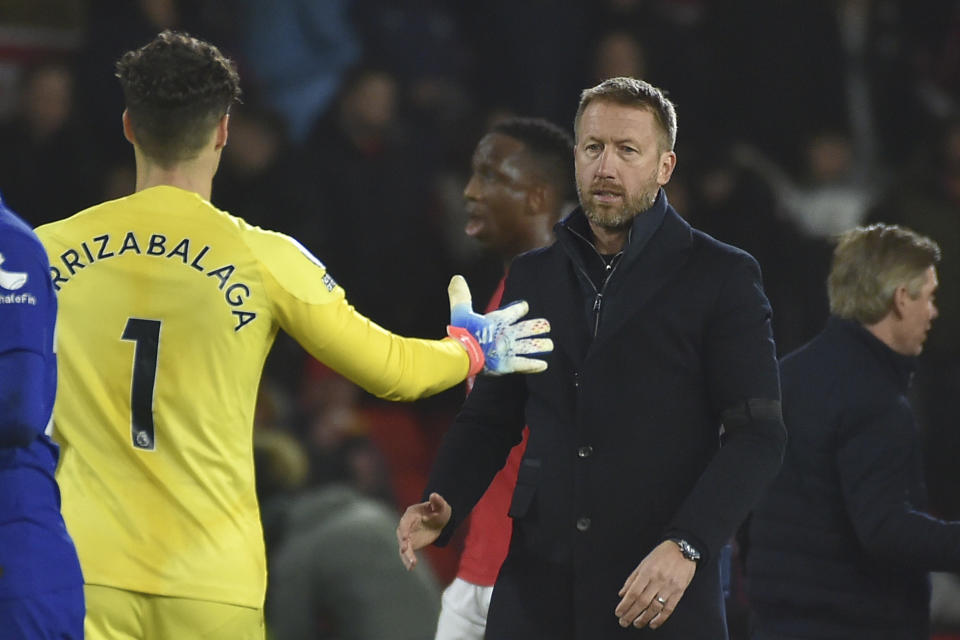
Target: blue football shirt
<point>36,553</point>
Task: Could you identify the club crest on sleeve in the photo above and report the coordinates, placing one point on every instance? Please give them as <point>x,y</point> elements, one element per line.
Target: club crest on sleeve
<point>11,280</point>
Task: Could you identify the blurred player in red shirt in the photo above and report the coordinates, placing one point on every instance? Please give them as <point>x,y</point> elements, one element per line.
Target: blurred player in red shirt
<point>521,184</point>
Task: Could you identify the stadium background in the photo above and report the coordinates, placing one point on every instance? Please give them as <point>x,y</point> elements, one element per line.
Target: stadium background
<point>797,119</point>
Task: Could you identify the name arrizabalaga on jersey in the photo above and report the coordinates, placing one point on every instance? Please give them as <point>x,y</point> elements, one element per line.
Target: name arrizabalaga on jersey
<point>157,246</point>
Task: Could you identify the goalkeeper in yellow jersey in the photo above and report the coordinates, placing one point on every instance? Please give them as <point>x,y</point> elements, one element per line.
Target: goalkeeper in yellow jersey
<point>167,310</point>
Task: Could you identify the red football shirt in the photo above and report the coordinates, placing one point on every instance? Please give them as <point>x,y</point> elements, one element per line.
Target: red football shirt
<point>489,528</point>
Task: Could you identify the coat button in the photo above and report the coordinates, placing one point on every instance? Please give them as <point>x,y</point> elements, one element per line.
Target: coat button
<point>576,379</point>
<point>585,452</point>
<point>583,524</point>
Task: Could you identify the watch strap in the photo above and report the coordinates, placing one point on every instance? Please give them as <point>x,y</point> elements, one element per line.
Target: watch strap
<point>688,550</point>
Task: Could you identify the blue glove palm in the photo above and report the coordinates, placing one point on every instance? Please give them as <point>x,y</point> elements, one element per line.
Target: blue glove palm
<point>505,342</point>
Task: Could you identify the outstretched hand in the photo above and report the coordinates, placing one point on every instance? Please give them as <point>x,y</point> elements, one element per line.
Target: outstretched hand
<point>505,342</point>
<point>420,525</point>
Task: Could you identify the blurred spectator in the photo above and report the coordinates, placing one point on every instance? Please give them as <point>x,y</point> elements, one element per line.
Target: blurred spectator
<point>833,194</point>
<point>619,53</point>
<point>282,469</point>
<point>334,574</point>
<point>31,32</point>
<point>373,221</point>
<point>816,66</point>
<point>297,51</point>
<point>935,31</point>
<point>260,180</point>
<point>423,44</point>
<point>414,39</point>
<point>736,204</point>
<point>532,56</point>
<point>945,604</point>
<point>49,164</point>
<point>381,449</point>
<point>335,432</point>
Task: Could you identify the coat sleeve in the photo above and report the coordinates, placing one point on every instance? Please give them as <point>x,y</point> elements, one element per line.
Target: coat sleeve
<point>743,388</point>
<point>878,457</point>
<point>476,446</point>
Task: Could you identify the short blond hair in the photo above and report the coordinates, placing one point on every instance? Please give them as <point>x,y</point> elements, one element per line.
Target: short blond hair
<point>632,92</point>
<point>870,263</point>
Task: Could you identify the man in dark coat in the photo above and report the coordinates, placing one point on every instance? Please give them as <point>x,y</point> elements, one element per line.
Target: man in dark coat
<point>840,546</point>
<point>625,495</point>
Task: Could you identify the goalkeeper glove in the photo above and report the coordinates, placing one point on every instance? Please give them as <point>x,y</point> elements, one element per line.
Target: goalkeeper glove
<point>496,342</point>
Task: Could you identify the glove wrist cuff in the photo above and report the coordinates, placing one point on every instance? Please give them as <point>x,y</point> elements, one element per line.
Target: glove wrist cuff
<point>469,342</point>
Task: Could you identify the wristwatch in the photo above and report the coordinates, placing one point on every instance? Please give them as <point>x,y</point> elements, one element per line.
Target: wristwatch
<point>687,549</point>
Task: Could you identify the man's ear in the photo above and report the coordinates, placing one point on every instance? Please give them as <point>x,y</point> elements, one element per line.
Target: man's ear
<point>128,128</point>
<point>537,198</point>
<point>668,162</point>
<point>222,132</point>
<point>900,299</point>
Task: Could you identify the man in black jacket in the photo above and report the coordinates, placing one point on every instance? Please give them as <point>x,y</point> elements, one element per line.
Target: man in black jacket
<point>624,496</point>
<point>840,546</point>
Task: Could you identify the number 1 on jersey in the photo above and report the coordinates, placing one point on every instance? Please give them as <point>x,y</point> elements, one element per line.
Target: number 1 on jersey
<point>146,336</point>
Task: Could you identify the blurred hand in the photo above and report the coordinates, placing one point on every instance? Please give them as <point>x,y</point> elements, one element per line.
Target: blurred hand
<point>654,588</point>
<point>504,342</point>
<point>420,525</point>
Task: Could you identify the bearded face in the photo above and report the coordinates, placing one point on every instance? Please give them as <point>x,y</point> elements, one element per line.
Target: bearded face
<point>619,162</point>
<point>611,206</point>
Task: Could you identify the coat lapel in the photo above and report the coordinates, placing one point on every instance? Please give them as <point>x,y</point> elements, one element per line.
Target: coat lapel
<point>642,275</point>
<point>563,301</point>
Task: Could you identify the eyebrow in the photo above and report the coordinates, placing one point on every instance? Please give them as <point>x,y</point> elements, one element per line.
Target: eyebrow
<point>631,141</point>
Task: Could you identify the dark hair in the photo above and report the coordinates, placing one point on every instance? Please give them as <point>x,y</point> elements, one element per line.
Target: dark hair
<point>550,148</point>
<point>634,93</point>
<point>177,88</point>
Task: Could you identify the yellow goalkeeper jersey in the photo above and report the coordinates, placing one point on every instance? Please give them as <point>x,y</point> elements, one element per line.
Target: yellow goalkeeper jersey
<point>167,310</point>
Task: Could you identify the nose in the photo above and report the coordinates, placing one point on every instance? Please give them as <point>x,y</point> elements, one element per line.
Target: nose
<point>472,190</point>
<point>934,312</point>
<point>605,164</point>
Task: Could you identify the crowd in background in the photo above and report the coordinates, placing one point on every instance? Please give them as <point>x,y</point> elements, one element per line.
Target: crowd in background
<point>799,119</point>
